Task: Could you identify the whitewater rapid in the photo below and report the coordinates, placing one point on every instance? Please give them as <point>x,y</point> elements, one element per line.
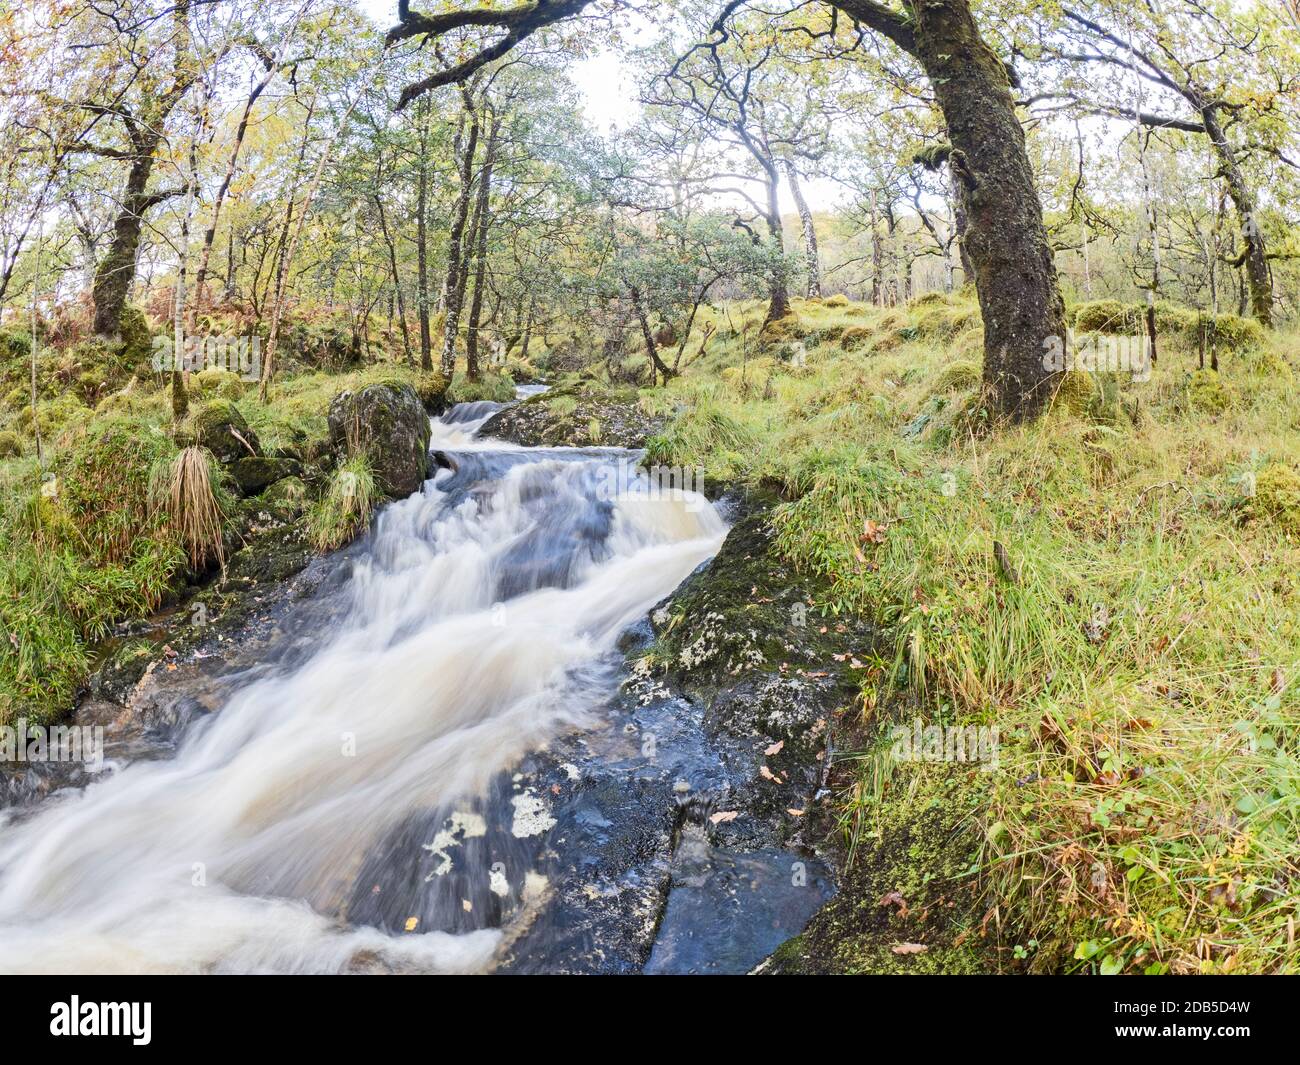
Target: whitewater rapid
<point>477,621</point>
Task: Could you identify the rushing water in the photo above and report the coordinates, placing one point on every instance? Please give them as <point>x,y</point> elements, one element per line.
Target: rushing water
<point>475,622</point>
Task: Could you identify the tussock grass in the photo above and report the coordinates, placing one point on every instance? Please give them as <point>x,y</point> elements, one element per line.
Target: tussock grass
<point>1140,658</point>
<point>346,507</point>
<point>184,489</point>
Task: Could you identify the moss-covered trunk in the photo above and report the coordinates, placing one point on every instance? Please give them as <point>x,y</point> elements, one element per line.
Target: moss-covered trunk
<point>116,271</point>
<point>1254,257</point>
<point>1005,239</point>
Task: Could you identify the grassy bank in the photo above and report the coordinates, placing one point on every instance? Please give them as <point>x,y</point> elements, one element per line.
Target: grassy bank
<point>1114,588</point>
<point>94,533</point>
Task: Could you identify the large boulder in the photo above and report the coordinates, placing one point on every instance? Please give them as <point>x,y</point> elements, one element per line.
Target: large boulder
<point>222,429</point>
<point>388,423</point>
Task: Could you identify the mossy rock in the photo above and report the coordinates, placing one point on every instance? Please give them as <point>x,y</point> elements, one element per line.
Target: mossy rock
<point>1106,316</point>
<point>493,387</point>
<point>431,387</point>
<point>221,427</point>
<point>1209,393</point>
<point>1277,496</point>
<point>931,299</point>
<point>1076,391</point>
<point>11,445</point>
<point>387,423</point>
<point>715,629</point>
<point>253,473</point>
<point>217,382</point>
<point>285,499</point>
<point>837,300</point>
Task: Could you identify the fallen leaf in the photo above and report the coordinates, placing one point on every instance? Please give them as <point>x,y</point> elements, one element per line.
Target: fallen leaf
<point>873,532</point>
<point>795,813</point>
<point>466,905</point>
<point>412,923</point>
<point>909,948</point>
<point>895,898</point>
<point>775,748</point>
<point>767,774</point>
<point>723,816</point>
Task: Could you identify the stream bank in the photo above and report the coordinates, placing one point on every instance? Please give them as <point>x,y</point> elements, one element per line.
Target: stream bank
<point>673,812</point>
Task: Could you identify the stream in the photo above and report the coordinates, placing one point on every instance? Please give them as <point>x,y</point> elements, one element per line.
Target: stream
<point>377,787</point>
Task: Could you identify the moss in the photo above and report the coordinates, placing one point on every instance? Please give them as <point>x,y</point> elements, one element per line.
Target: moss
<point>136,351</point>
<point>221,427</point>
<point>1209,393</point>
<point>431,387</point>
<point>837,300</point>
<point>1277,496</point>
<point>253,473</point>
<point>1105,316</point>
<point>1232,333</point>
<point>854,337</point>
<point>215,381</point>
<point>495,387</point>
<point>286,498</point>
<point>961,374</point>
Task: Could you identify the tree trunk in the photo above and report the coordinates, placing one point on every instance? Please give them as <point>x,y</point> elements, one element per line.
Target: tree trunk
<point>1015,277</point>
<point>397,281</point>
<point>453,294</point>
<point>480,252</point>
<point>657,365</point>
<point>811,257</point>
<point>960,225</point>
<point>778,305</point>
<point>422,242</point>
<point>1255,254</point>
<point>877,254</point>
<point>116,270</point>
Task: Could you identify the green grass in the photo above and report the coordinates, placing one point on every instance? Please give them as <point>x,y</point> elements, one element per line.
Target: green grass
<point>1142,666</point>
<point>345,508</point>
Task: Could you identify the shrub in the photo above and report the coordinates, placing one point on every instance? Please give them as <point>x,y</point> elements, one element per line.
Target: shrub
<point>11,444</point>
